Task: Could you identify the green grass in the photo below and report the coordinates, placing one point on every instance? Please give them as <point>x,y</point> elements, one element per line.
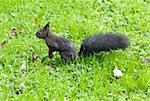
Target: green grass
<point>89,78</point>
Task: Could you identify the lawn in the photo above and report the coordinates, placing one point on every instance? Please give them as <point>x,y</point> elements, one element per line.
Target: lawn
<point>23,78</point>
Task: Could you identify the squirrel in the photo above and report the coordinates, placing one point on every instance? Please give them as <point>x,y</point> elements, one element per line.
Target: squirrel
<point>93,44</point>
<point>103,42</point>
<point>55,43</point>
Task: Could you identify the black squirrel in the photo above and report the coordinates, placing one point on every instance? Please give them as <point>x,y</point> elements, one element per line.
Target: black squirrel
<point>56,43</point>
<point>94,44</point>
<point>103,42</point>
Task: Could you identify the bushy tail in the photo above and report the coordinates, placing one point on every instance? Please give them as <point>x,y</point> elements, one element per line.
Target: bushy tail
<point>103,42</point>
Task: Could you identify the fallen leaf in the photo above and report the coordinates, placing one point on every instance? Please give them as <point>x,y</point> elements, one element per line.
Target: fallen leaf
<point>34,56</point>
<point>3,43</point>
<point>14,32</point>
<point>117,73</point>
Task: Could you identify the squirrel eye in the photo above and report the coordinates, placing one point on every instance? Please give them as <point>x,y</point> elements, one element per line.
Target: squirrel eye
<point>39,33</point>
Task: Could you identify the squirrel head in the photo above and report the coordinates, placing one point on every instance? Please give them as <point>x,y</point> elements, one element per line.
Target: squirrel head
<point>42,33</point>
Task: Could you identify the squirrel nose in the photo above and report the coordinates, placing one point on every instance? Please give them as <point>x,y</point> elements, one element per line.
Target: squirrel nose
<point>37,34</point>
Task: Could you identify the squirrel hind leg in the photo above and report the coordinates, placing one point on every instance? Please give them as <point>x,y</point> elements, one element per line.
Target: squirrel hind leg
<point>65,57</point>
<point>68,56</point>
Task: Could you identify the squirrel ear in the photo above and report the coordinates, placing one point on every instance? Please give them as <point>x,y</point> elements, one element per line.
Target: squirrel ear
<point>47,25</point>
<point>46,28</point>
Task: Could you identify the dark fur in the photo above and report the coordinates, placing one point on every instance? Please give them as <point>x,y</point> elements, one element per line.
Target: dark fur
<point>55,43</point>
<point>103,42</point>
